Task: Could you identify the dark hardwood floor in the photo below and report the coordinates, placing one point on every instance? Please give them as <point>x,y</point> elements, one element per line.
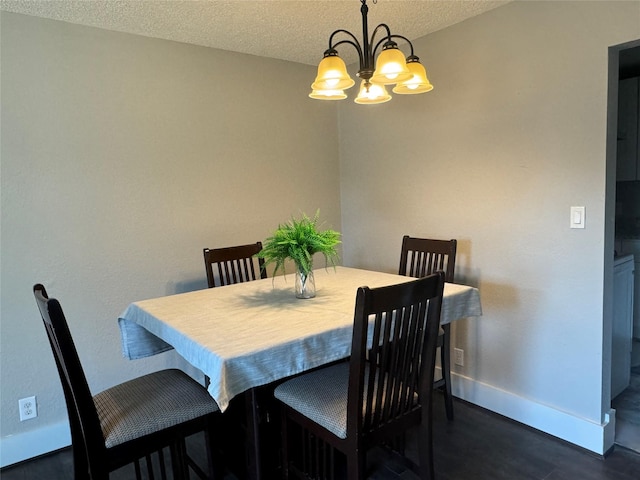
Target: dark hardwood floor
<point>627,406</point>
<point>477,445</point>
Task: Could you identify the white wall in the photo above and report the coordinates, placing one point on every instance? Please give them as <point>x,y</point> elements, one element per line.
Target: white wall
<point>122,157</point>
<point>513,134</point>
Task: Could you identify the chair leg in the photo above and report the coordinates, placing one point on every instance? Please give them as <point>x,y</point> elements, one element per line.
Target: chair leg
<point>179,465</point>
<point>80,466</point>
<point>184,458</point>
<point>214,468</point>
<point>163,469</point>
<point>285,445</point>
<point>213,454</point>
<point>80,463</point>
<point>445,363</point>
<point>356,465</point>
<point>149,467</point>
<point>425,448</point>
<point>137,470</point>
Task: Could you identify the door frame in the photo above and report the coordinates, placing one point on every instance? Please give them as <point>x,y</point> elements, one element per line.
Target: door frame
<point>609,230</point>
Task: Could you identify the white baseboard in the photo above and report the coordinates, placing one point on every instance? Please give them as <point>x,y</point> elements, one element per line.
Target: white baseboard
<point>17,448</point>
<point>596,437</point>
<point>592,436</point>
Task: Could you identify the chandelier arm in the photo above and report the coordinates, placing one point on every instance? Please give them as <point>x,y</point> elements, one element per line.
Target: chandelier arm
<point>354,42</point>
<point>389,38</point>
<point>375,32</point>
<point>372,49</point>
<point>406,40</point>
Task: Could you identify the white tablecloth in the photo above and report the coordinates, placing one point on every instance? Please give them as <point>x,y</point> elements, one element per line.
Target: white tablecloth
<point>251,334</point>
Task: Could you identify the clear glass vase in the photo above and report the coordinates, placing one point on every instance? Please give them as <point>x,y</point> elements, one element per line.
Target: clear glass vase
<point>305,285</point>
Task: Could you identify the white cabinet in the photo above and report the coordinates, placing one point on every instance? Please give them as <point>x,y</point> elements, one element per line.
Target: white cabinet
<point>621,335</point>
<point>628,158</point>
<point>631,246</point>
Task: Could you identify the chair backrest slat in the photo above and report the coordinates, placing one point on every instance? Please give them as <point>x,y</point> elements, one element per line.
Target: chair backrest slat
<point>234,264</point>
<point>423,256</point>
<point>393,354</point>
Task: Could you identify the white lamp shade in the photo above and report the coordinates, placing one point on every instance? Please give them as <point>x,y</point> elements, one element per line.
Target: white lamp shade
<point>328,94</point>
<point>391,67</point>
<point>332,75</point>
<point>418,83</point>
<point>371,93</point>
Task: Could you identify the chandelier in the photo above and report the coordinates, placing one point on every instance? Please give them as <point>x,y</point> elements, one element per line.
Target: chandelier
<point>409,76</point>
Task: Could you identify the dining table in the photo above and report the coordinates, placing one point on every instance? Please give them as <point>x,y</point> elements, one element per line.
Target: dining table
<point>250,335</point>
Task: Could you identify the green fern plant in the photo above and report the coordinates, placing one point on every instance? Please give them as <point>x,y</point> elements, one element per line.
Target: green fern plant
<point>299,240</point>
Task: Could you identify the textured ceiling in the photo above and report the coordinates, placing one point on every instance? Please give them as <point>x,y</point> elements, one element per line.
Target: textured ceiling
<point>289,30</point>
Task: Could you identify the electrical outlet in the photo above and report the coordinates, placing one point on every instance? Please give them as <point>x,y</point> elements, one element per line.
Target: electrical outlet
<point>28,408</point>
<point>459,356</point>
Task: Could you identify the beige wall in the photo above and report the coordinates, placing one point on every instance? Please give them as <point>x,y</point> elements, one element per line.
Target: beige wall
<point>512,136</point>
<point>122,157</point>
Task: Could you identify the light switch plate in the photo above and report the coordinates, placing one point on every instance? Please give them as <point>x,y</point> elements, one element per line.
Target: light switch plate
<point>577,217</point>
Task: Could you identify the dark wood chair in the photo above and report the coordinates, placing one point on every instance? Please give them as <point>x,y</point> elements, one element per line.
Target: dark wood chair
<point>233,264</point>
<point>130,421</point>
<point>384,389</point>
<point>226,266</point>
<point>420,257</point>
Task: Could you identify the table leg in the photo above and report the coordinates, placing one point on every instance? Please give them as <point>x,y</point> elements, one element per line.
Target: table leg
<point>252,413</point>
<point>252,441</point>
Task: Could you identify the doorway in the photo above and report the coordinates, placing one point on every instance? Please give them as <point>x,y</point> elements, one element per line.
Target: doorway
<point>624,72</point>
